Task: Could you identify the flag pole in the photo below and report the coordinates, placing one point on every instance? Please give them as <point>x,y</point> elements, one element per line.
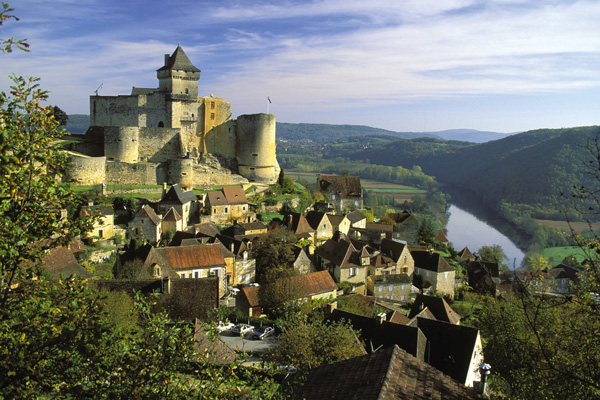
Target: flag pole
<point>268,102</point>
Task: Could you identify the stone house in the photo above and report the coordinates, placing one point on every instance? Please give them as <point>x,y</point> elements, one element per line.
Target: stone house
<point>394,288</point>
<point>319,222</point>
<point>228,204</point>
<point>243,268</point>
<point>434,271</point>
<point>483,276</point>
<point>344,262</point>
<point>466,255</point>
<point>298,224</point>
<point>400,253</point>
<point>302,261</point>
<point>184,202</point>
<point>145,226</point>
<point>345,192</point>
<point>103,226</point>
<point>357,220</point>
<point>249,228</point>
<point>406,226</point>
<point>61,261</point>
<point>339,223</point>
<point>188,262</point>
<point>172,221</point>
<point>248,301</point>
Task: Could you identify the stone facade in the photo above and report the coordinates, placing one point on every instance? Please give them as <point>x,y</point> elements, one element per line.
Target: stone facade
<point>175,135</point>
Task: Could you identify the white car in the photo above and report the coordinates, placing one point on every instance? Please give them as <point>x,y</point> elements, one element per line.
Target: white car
<point>224,326</point>
<point>242,329</point>
<point>263,332</point>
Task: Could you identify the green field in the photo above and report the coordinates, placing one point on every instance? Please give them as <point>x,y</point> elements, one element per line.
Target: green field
<point>557,254</point>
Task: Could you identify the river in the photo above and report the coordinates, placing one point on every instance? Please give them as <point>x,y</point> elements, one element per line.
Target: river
<point>464,229</point>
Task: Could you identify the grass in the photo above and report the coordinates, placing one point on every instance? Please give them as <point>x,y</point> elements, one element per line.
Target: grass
<point>557,254</point>
<point>266,217</point>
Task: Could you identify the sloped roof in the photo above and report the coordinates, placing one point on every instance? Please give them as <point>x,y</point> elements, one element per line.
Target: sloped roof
<point>315,283</point>
<point>252,226</point>
<point>396,317</point>
<point>314,218</point>
<point>298,224</point>
<point>355,216</point>
<point>216,198</point>
<point>430,261</point>
<point>387,374</point>
<point>438,306</point>
<point>340,253</point>
<point>189,257</point>
<point>251,294</point>
<point>235,195</point>
<point>60,260</point>
<point>335,220</point>
<point>206,229</point>
<point>147,212</point>
<point>393,248</point>
<point>343,185</point>
<point>441,236</point>
<point>179,61</point>
<point>449,342</point>
<point>172,215</point>
<point>176,195</point>
<point>466,253</point>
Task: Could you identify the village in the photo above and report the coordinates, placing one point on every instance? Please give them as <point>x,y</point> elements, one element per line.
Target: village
<point>203,253</point>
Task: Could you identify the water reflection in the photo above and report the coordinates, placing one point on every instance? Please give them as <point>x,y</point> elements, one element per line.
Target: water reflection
<point>464,229</point>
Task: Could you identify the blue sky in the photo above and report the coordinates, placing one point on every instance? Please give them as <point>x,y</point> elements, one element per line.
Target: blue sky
<point>404,65</point>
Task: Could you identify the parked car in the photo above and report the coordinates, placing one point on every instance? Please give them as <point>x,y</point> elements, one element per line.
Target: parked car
<point>263,332</point>
<point>224,326</point>
<point>242,329</point>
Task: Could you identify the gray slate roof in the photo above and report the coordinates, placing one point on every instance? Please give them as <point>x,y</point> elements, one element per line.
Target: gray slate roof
<point>179,61</point>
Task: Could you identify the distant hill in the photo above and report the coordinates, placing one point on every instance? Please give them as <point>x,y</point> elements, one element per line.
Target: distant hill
<point>78,124</point>
<point>324,133</point>
<point>528,170</point>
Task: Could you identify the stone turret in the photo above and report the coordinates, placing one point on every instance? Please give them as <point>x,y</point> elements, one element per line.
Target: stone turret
<point>178,75</point>
<point>255,147</point>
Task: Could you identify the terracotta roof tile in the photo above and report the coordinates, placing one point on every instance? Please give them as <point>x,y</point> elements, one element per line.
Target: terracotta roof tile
<point>235,195</point>
<point>172,215</point>
<point>193,256</point>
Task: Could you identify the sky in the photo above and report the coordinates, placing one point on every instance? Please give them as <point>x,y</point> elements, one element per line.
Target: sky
<point>402,65</point>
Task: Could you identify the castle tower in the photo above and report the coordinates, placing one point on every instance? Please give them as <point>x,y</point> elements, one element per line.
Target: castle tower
<point>255,147</point>
<point>178,75</point>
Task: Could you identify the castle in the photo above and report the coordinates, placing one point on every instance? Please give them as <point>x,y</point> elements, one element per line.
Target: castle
<point>172,135</point>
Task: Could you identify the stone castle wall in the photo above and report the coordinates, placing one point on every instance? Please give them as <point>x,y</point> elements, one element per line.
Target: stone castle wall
<point>131,174</point>
<point>84,170</point>
<point>121,143</point>
<point>159,145</point>
<point>114,110</point>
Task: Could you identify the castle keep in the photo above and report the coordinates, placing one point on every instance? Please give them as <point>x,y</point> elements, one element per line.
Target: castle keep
<point>172,135</point>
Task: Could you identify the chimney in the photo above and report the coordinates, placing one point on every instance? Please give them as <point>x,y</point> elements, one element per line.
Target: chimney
<point>90,203</point>
<point>331,307</point>
<point>167,59</point>
<point>381,318</point>
<point>232,247</point>
<point>484,372</point>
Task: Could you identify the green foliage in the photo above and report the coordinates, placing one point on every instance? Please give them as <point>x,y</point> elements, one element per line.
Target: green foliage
<point>494,253</point>
<point>273,251</point>
<point>279,293</point>
<point>357,305</point>
<point>312,344</point>
<point>542,348</point>
<point>428,227</point>
<point>8,43</point>
<point>30,196</point>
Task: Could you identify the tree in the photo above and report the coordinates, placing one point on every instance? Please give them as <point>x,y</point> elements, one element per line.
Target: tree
<point>312,344</point>
<point>31,196</point>
<point>59,115</point>
<point>280,292</point>
<point>8,43</point>
<point>427,230</point>
<point>274,250</point>
<point>493,254</point>
<point>536,262</point>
